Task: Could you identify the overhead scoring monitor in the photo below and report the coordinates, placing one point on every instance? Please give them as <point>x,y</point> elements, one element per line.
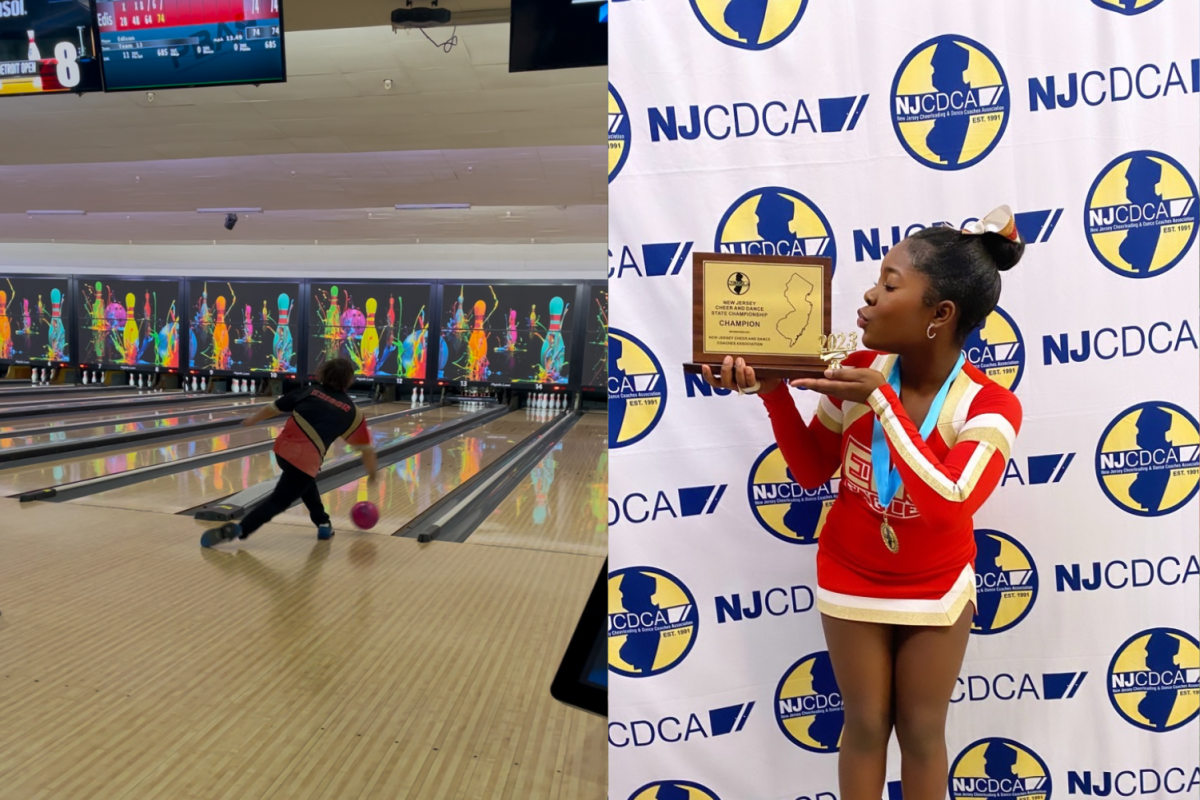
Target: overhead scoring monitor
<point>161,44</point>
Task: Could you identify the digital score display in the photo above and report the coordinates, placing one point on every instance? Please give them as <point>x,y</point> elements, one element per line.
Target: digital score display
<point>33,318</point>
<point>128,324</point>
<point>505,334</point>
<point>382,328</point>
<point>163,44</point>
<point>557,34</point>
<point>47,47</point>
<point>240,327</point>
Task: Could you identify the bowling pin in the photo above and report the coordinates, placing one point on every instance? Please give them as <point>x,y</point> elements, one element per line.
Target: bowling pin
<point>204,384</point>
<point>53,372</point>
<point>422,400</point>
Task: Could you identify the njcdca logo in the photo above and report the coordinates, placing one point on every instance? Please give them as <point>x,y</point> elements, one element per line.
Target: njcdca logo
<point>785,508</point>
<point>950,102</point>
<point>1006,582</point>
<point>619,130</point>
<point>808,704</point>
<point>637,389</point>
<point>998,350</point>
<point>774,221</point>
<point>755,25</point>
<point>1140,216</point>
<point>999,769</point>
<point>1127,7</point>
<point>1147,459</point>
<point>1154,679</point>
<point>674,790</point>
<point>652,621</point>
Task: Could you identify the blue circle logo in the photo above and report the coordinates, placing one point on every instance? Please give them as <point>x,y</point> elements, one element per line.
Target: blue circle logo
<point>674,790</point>
<point>749,24</point>
<point>1154,679</point>
<point>652,621</point>
<point>808,704</point>
<point>999,769</point>
<point>998,350</point>
<point>1140,216</point>
<point>774,221</point>
<point>1006,582</point>
<point>619,133</point>
<point>1127,8</point>
<point>950,102</point>
<point>1147,459</point>
<point>786,509</point>
<point>637,389</point>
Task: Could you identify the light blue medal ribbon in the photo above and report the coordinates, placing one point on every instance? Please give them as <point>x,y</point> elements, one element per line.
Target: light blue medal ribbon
<point>886,477</point>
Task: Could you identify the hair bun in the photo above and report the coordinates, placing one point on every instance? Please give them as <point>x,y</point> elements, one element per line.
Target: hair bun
<point>1005,253</point>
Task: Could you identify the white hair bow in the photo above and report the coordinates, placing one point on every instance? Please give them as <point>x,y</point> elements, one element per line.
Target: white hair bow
<point>1000,221</point>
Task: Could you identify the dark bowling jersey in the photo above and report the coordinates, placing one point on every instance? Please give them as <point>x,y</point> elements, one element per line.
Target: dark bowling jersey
<point>319,415</point>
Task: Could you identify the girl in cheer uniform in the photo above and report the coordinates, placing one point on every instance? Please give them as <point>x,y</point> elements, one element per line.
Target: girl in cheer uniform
<point>921,438</point>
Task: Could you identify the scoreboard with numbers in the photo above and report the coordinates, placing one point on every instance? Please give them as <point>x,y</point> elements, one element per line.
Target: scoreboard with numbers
<point>47,46</point>
<point>160,44</point>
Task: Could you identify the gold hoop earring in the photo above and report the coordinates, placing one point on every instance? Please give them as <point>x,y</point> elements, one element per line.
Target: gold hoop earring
<point>929,332</point>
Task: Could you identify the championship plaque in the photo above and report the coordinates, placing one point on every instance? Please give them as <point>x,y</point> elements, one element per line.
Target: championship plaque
<point>772,311</point>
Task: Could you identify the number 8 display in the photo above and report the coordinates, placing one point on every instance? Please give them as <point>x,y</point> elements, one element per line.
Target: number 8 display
<point>68,64</point>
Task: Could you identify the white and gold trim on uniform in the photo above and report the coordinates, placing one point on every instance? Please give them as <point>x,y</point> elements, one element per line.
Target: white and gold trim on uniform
<point>993,432</point>
<point>940,612</point>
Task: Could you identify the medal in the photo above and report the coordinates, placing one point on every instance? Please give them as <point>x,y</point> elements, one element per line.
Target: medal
<point>889,537</point>
<point>885,476</point>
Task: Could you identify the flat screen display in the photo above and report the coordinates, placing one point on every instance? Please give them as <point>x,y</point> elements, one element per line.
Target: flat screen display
<point>128,324</point>
<point>47,47</point>
<point>505,334</point>
<point>380,327</point>
<point>595,349</point>
<point>240,327</point>
<point>164,44</point>
<point>33,320</point>
<point>557,34</point>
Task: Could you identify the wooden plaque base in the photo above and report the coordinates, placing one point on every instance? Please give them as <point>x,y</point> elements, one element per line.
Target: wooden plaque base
<point>816,370</point>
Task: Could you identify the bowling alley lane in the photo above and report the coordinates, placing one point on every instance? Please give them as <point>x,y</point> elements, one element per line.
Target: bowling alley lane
<point>184,490</point>
<point>562,505</point>
<point>27,478</point>
<point>105,415</point>
<point>70,469</point>
<point>47,437</point>
<point>408,487</point>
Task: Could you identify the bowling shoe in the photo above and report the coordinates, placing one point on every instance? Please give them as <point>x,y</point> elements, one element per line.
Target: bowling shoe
<point>325,532</point>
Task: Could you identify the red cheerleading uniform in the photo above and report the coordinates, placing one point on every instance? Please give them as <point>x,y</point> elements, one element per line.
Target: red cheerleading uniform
<point>945,479</point>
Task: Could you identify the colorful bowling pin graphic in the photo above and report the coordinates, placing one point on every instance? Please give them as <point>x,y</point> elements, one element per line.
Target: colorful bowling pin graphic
<point>129,344</point>
<point>477,361</point>
<point>147,315</point>
<point>248,317</point>
<point>369,350</point>
<point>99,325</point>
<point>222,358</point>
<point>553,351</point>
<point>6,342</point>
<point>28,317</point>
<point>168,341</point>
<point>391,318</point>
<point>412,358</point>
<point>511,342</point>
<point>282,359</point>
<point>57,344</point>
<point>333,325</point>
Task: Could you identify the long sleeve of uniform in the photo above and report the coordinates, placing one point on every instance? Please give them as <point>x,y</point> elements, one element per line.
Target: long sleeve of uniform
<point>947,493</point>
<point>813,452</point>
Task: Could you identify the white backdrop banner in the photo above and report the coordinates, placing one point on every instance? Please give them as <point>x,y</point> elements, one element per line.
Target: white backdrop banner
<point>838,127</point>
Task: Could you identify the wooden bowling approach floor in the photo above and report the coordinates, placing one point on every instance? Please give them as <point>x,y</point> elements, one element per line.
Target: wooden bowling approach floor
<point>135,664</point>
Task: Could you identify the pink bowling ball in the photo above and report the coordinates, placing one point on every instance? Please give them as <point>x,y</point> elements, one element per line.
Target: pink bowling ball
<point>364,515</point>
